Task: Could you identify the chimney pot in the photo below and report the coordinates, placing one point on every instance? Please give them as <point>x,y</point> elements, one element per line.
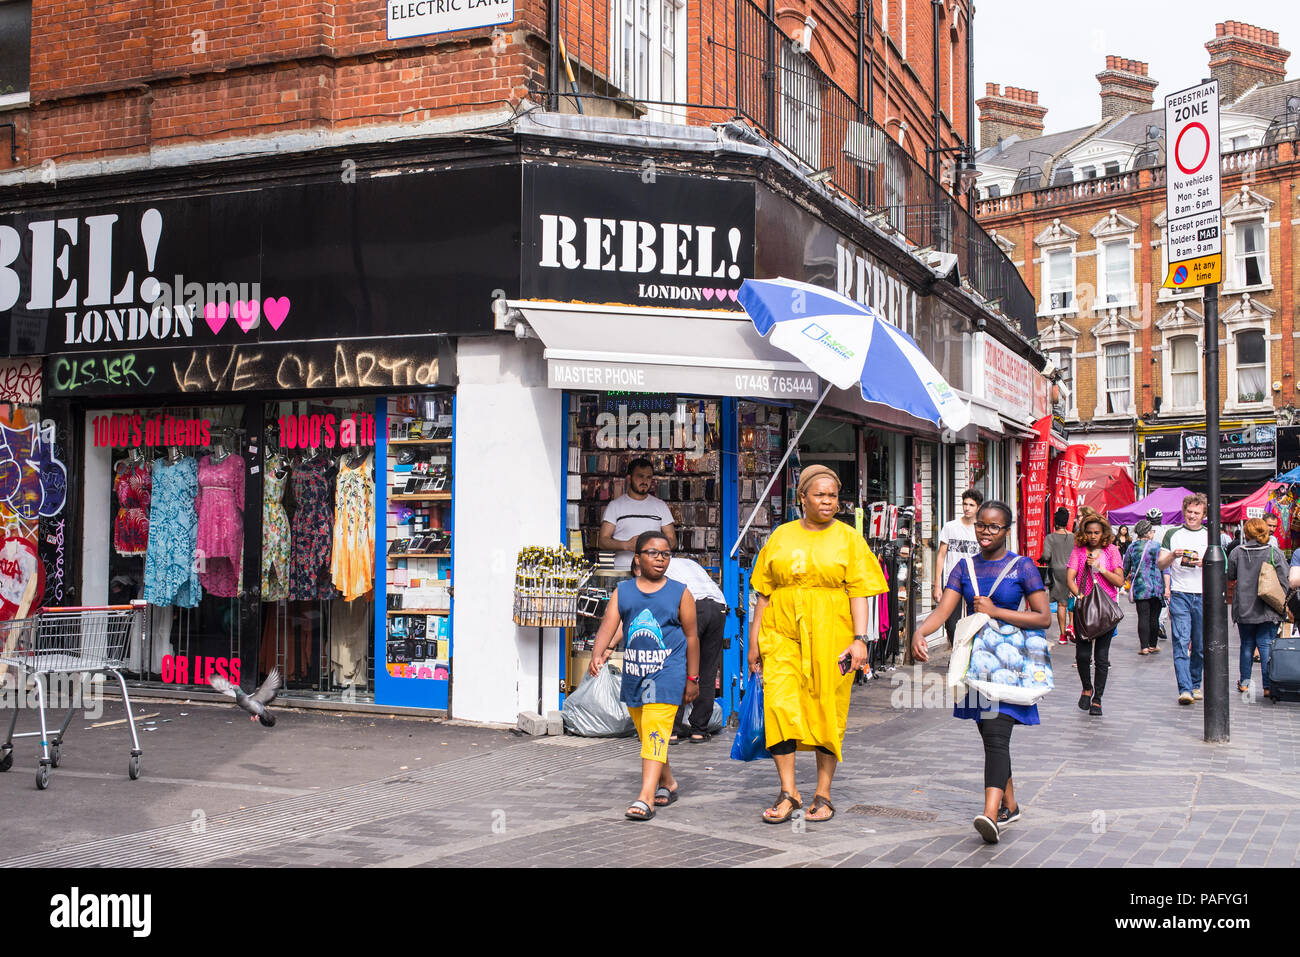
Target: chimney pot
<point>1013,111</point>
<point>1243,56</point>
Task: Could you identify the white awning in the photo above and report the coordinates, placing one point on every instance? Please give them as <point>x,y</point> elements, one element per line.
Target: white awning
<point>982,414</point>
<point>695,351</point>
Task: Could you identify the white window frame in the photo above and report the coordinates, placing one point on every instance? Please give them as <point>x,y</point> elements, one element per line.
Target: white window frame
<point>1114,229</point>
<point>1179,322</point>
<point>1248,315</point>
<point>800,103</point>
<point>623,12</point>
<point>1237,365</point>
<point>1115,330</point>
<point>1125,299</point>
<point>1057,238</point>
<point>1245,207</point>
<point>1062,337</point>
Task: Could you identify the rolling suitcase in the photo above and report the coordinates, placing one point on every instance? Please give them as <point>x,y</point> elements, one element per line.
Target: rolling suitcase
<point>1284,667</point>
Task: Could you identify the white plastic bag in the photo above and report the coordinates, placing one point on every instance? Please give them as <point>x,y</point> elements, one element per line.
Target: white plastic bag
<point>596,709</point>
<point>1010,664</point>
<point>959,659</point>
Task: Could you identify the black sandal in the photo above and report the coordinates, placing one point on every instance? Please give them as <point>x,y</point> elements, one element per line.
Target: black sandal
<point>670,797</point>
<point>795,805</point>
<point>1085,699</point>
<point>647,812</point>
<point>699,737</point>
<point>818,803</point>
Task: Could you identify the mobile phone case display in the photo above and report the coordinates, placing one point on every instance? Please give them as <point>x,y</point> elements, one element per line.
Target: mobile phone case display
<point>685,478</point>
<point>419,536</point>
<point>761,444</point>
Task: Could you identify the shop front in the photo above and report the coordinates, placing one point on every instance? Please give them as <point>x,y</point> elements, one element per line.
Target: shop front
<point>254,395</point>
<point>1176,455</point>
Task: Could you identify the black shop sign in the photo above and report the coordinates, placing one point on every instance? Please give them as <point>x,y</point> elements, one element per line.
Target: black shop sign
<point>1252,445</point>
<point>1163,449</point>
<point>640,237</point>
<point>353,256</point>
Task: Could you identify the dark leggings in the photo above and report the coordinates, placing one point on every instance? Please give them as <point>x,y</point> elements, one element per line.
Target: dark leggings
<point>789,747</point>
<point>1148,614</point>
<point>1083,655</point>
<point>996,733</point>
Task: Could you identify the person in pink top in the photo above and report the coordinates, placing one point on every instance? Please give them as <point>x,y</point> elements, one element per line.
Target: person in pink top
<point>1095,562</point>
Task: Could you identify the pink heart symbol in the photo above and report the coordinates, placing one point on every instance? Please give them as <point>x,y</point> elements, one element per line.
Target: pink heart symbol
<point>246,314</point>
<point>276,310</point>
<point>732,294</point>
<point>708,293</point>
<point>216,314</point>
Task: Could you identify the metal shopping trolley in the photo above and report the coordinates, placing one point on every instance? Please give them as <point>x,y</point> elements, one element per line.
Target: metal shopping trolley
<point>67,641</point>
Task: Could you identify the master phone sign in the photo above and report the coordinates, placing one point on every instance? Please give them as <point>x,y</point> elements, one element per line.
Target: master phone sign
<point>1193,235</point>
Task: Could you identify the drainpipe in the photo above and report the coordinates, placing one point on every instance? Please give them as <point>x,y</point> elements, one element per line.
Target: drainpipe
<point>553,70</point>
<point>970,95</point>
<point>935,7</point>
<point>862,100</point>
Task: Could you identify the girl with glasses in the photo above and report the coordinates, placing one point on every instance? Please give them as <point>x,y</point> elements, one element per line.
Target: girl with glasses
<point>1005,582</point>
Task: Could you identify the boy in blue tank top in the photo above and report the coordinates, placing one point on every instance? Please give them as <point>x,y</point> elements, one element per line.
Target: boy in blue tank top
<point>661,661</point>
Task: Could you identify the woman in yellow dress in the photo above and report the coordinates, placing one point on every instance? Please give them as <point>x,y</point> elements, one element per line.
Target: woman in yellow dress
<point>813,578</point>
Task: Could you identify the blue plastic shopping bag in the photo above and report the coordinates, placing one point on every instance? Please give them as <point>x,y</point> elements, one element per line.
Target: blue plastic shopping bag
<point>751,736</point>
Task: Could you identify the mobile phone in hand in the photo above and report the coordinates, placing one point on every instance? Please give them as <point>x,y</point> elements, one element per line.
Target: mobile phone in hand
<point>846,663</point>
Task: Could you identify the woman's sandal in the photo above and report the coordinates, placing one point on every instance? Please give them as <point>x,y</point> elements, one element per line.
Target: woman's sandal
<point>1085,699</point>
<point>1242,689</point>
<point>670,797</point>
<point>646,812</point>
<point>795,805</point>
<point>699,737</point>
<point>818,803</point>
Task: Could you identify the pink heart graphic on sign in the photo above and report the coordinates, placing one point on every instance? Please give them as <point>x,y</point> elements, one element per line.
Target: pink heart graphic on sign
<point>708,293</point>
<point>246,314</point>
<point>732,294</point>
<point>216,314</point>
<point>276,310</point>
<point>720,293</point>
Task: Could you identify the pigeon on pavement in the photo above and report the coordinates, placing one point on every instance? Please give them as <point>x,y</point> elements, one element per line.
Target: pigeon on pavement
<point>255,704</point>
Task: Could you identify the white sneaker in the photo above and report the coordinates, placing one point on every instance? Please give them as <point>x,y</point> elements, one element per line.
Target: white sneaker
<point>1197,694</point>
<point>1185,698</point>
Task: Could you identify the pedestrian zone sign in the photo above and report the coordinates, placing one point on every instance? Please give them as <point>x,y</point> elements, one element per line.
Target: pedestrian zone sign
<point>1193,232</point>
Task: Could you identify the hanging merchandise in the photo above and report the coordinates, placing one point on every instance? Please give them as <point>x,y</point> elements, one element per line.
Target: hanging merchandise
<point>547,582</point>
<point>275,532</point>
<point>170,571</point>
<point>353,565</point>
<point>131,485</point>
<point>313,524</point>
<point>221,522</point>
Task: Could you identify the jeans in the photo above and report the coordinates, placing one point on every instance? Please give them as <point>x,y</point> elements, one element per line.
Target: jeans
<point>1083,657</point>
<point>1188,627</point>
<point>996,733</point>
<point>1148,615</point>
<point>1257,634</point>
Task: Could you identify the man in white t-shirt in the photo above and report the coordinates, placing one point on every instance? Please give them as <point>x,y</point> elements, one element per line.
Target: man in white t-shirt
<point>956,541</point>
<point>632,513</point>
<point>1182,552</point>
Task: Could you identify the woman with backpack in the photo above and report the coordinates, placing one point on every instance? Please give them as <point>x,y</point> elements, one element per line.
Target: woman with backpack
<point>1256,619</point>
<point>1146,586</point>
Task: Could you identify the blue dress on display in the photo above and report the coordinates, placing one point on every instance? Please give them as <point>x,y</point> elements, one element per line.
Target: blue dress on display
<point>171,575</point>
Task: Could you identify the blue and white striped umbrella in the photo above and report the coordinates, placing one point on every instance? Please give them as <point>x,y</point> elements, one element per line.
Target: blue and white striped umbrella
<point>847,344</point>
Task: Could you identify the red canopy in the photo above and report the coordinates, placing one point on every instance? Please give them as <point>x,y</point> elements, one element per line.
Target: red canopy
<point>1252,506</point>
<point>1105,484</point>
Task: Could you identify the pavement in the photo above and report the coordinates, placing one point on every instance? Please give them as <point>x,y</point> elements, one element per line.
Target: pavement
<point>1137,787</point>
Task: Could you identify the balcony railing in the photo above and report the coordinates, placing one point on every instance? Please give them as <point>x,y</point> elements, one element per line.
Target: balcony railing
<point>738,64</point>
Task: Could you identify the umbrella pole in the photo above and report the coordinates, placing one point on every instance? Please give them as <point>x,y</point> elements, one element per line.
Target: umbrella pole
<point>793,444</point>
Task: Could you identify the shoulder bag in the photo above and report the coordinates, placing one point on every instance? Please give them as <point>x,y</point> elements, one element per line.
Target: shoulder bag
<point>967,628</point>
<point>1096,614</point>
<point>1137,570</point>
<point>1269,588</point>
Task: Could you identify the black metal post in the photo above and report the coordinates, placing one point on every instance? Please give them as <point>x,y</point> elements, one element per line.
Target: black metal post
<point>862,54</point>
<point>1214,608</point>
<point>935,7</point>
<point>970,97</point>
<point>870,95</point>
<point>553,68</point>
<point>769,65</point>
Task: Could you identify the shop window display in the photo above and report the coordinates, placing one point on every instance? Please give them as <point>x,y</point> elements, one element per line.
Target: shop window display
<point>419,527</point>
<point>762,437</point>
<point>318,544</point>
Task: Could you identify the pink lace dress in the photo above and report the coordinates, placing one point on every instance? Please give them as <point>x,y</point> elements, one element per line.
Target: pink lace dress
<point>221,524</point>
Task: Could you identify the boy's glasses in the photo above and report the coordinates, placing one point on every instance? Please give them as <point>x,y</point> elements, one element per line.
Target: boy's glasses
<point>983,527</point>
<point>654,553</point>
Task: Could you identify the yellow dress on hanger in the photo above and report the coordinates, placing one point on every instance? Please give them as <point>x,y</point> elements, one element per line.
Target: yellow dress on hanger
<point>352,564</point>
<point>809,578</point>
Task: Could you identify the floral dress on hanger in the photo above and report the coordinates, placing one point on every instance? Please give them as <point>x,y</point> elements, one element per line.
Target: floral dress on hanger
<point>131,527</point>
<point>353,565</point>
<point>275,533</point>
<point>312,527</point>
<point>170,573</point>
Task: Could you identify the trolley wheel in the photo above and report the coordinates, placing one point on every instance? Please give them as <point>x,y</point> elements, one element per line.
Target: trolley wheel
<point>7,760</point>
<point>133,768</point>
<point>56,753</point>
<point>42,777</point>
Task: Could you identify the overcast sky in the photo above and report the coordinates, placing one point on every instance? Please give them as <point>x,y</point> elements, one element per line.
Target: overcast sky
<point>1058,49</point>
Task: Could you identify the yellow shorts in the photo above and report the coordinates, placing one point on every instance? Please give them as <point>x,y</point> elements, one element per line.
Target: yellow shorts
<point>654,725</point>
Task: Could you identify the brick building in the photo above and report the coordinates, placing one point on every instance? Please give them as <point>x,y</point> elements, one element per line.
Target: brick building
<point>262,225</point>
<point>1081,213</point>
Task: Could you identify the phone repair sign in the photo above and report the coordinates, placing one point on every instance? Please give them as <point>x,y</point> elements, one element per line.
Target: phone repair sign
<point>1193,233</point>
<point>418,18</point>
